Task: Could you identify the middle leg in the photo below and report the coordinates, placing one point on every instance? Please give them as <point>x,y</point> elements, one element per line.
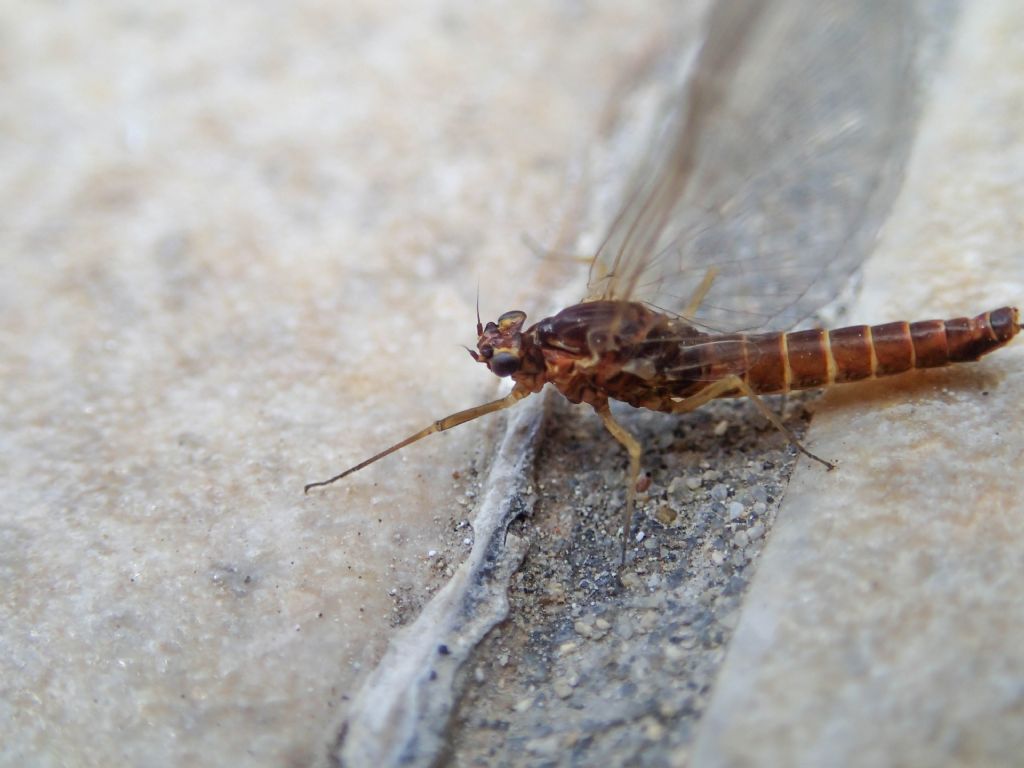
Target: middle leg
<point>634,450</point>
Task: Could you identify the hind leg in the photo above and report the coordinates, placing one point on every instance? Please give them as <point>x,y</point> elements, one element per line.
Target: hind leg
<point>732,384</point>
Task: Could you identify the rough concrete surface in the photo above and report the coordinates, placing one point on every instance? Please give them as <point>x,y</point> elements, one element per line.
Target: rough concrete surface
<point>241,245</point>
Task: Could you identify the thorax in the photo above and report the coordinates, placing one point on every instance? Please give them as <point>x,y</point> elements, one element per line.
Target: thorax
<point>599,350</point>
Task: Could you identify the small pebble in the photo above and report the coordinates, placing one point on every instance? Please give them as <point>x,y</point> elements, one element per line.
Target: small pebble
<point>624,627</point>
<point>693,483</point>
<point>669,709</point>
<point>562,689</point>
<point>674,652</point>
<point>649,620</point>
<point>736,510</point>
<point>756,531</point>
<point>665,514</point>
<point>720,492</point>
<point>677,488</point>
<point>544,746</point>
<point>721,428</point>
<point>522,705</point>
<point>653,730</point>
<point>687,640</point>
<point>584,629</point>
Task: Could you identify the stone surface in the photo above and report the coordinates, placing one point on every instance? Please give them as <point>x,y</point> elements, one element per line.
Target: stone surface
<point>242,244</point>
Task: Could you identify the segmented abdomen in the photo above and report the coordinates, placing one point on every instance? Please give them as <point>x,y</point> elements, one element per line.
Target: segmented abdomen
<point>816,358</point>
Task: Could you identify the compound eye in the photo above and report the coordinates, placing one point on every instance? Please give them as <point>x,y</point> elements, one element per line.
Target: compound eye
<point>504,364</point>
<point>486,352</point>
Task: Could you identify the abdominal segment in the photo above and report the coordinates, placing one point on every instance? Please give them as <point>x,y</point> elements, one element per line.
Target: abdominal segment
<point>817,358</point>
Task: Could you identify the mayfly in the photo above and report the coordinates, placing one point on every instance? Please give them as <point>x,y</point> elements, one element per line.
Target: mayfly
<point>787,149</point>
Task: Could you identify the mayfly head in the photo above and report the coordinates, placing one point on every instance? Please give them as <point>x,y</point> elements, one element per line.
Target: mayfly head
<point>500,346</point>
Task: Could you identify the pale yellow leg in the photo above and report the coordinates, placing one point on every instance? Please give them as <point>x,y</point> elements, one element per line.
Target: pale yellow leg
<point>440,425</point>
<point>735,383</point>
<point>634,449</point>
<point>701,293</point>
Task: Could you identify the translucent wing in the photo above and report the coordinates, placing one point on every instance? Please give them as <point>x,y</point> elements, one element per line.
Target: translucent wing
<point>784,157</point>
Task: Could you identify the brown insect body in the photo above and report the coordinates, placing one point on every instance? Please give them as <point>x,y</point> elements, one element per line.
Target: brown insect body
<point>601,350</point>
